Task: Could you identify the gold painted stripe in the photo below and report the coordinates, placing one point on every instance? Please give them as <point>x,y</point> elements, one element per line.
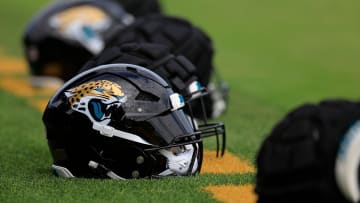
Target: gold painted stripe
<point>224,165</point>
<point>11,65</point>
<point>17,87</point>
<point>233,193</point>
<point>23,88</point>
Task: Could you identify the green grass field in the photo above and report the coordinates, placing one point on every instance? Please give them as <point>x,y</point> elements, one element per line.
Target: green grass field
<point>275,55</point>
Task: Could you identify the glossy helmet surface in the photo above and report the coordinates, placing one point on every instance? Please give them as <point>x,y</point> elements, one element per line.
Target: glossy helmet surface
<point>65,34</point>
<point>120,121</point>
<point>176,70</point>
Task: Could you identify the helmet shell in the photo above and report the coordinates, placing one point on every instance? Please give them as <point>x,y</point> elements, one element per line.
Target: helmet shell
<point>141,7</point>
<point>131,101</point>
<point>178,34</point>
<point>296,162</point>
<point>65,34</point>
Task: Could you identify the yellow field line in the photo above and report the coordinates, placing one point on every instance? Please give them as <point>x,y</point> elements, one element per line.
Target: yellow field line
<point>12,65</point>
<point>38,98</point>
<point>233,193</point>
<point>228,164</point>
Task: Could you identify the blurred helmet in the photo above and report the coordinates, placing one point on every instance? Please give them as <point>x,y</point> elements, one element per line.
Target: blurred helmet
<point>141,7</point>
<point>312,155</point>
<point>176,70</point>
<point>64,35</point>
<point>121,121</point>
<point>182,38</point>
<point>179,35</point>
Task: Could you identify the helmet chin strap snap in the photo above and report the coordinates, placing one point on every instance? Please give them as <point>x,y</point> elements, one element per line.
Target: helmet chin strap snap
<point>347,164</point>
<point>183,163</point>
<point>103,170</point>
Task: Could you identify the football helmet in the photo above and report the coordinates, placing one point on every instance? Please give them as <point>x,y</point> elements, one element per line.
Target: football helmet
<point>121,121</point>
<point>65,34</point>
<point>184,39</point>
<point>177,71</point>
<point>141,7</point>
<point>312,155</point>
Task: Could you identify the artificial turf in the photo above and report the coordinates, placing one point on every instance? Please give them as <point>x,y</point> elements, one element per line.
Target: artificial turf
<point>25,174</point>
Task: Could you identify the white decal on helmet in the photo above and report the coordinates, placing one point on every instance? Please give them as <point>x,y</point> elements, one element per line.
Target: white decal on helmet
<point>177,101</point>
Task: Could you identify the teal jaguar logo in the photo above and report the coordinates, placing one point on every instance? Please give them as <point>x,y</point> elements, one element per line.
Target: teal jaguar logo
<point>96,99</point>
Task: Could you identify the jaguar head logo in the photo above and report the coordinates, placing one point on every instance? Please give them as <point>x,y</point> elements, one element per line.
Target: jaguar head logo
<point>83,23</point>
<point>96,99</point>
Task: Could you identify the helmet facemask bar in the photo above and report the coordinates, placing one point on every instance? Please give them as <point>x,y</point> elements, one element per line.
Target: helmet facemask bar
<point>206,129</point>
<point>193,163</point>
<point>186,161</point>
<point>188,144</point>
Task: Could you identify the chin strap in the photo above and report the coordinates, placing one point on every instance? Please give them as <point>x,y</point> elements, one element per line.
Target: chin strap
<point>105,171</point>
<point>99,168</point>
<point>109,131</point>
<point>347,164</point>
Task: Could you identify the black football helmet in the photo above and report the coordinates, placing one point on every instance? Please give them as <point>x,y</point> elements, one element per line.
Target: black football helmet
<point>176,70</point>
<point>184,39</point>
<point>121,121</point>
<point>141,7</point>
<point>312,155</point>
<point>65,34</point>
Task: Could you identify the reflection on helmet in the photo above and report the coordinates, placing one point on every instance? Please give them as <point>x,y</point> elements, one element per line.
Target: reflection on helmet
<point>118,121</point>
<point>63,36</point>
